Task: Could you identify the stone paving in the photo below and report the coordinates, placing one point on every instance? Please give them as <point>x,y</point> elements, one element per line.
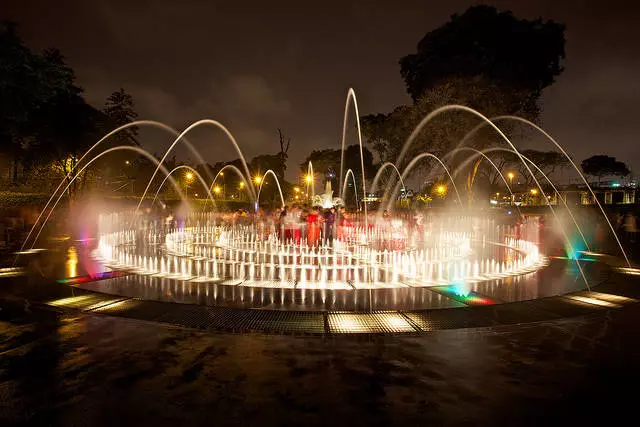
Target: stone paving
<point>89,369</point>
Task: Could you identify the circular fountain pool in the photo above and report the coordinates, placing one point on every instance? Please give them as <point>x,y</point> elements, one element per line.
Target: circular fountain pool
<point>446,262</point>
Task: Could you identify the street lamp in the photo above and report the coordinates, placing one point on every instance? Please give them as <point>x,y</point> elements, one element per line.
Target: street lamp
<point>534,191</point>
<point>309,179</point>
<point>224,185</point>
<point>257,179</point>
<point>511,175</point>
<point>188,178</point>
<point>217,189</point>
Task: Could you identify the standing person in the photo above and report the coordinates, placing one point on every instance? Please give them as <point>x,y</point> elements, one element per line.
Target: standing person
<point>329,221</point>
<point>313,227</point>
<point>301,223</point>
<point>292,224</point>
<point>282,220</point>
<point>630,227</point>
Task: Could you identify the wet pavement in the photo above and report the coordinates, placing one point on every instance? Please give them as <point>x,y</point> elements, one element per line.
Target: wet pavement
<point>89,369</point>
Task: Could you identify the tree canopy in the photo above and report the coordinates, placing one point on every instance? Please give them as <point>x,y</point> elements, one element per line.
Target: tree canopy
<point>484,59</point>
<point>601,166</point>
<point>485,42</point>
<point>327,162</point>
<point>43,114</point>
<point>119,110</point>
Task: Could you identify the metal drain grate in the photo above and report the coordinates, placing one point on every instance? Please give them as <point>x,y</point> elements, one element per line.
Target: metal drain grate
<point>267,320</point>
<point>431,320</point>
<point>368,323</point>
<point>83,302</point>
<point>136,309</point>
<point>189,316</point>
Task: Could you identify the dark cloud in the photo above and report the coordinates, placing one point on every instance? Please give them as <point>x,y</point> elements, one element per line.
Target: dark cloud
<point>289,64</point>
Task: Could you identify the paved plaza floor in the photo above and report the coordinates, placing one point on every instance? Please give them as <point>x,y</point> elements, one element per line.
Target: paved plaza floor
<point>92,370</point>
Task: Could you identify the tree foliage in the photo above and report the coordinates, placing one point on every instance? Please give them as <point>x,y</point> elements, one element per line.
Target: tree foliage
<point>601,166</point>
<point>119,109</point>
<point>485,42</point>
<point>44,118</point>
<point>327,162</point>
<point>388,132</point>
<point>285,143</point>
<point>484,59</point>
<point>28,81</point>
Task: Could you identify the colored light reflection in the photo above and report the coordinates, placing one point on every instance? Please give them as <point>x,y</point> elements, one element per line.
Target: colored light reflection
<point>91,277</point>
<point>461,292</point>
<point>72,262</point>
<point>462,289</point>
<point>576,249</point>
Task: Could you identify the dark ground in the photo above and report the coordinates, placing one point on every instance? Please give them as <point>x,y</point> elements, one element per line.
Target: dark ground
<point>95,370</point>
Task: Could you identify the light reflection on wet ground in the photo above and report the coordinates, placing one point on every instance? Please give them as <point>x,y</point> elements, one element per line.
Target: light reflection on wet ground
<point>559,278</point>
<point>98,370</point>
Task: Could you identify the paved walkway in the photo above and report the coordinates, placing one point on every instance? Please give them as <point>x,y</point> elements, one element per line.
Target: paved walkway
<point>89,369</point>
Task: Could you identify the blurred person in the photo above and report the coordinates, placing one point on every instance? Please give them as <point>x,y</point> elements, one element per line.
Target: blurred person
<point>329,222</point>
<point>313,220</point>
<point>630,227</point>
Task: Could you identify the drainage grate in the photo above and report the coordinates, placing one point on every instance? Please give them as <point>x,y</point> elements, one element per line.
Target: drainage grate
<point>136,309</point>
<point>431,320</point>
<point>190,316</point>
<point>267,320</point>
<point>83,302</point>
<point>564,307</point>
<point>368,323</point>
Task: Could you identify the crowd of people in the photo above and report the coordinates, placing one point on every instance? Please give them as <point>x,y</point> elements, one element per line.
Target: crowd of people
<point>297,222</point>
<point>315,225</point>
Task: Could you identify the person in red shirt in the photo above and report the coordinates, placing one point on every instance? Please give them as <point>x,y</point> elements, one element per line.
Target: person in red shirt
<point>313,227</point>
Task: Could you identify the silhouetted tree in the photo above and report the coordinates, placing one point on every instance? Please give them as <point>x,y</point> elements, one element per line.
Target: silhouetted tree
<point>64,129</point>
<point>285,143</point>
<point>601,166</point>
<point>484,59</point>
<point>119,110</point>
<point>485,42</point>
<point>262,163</point>
<point>327,161</point>
<point>28,81</point>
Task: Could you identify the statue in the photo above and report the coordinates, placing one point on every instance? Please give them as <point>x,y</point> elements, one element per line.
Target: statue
<point>326,199</point>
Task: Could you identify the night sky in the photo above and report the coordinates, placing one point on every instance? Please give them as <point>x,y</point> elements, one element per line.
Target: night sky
<point>289,64</point>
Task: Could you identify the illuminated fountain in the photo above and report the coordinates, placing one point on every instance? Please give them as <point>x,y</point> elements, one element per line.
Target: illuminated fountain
<point>326,199</point>
<point>367,252</point>
<point>386,256</point>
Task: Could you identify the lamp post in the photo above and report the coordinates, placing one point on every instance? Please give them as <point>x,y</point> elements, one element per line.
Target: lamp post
<point>257,179</point>
<point>188,178</point>
<point>224,186</point>
<point>511,175</point>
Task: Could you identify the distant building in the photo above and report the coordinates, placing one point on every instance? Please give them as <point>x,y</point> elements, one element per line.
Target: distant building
<point>609,193</point>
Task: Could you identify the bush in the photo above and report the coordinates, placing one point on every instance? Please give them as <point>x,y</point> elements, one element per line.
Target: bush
<point>10,200</point>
